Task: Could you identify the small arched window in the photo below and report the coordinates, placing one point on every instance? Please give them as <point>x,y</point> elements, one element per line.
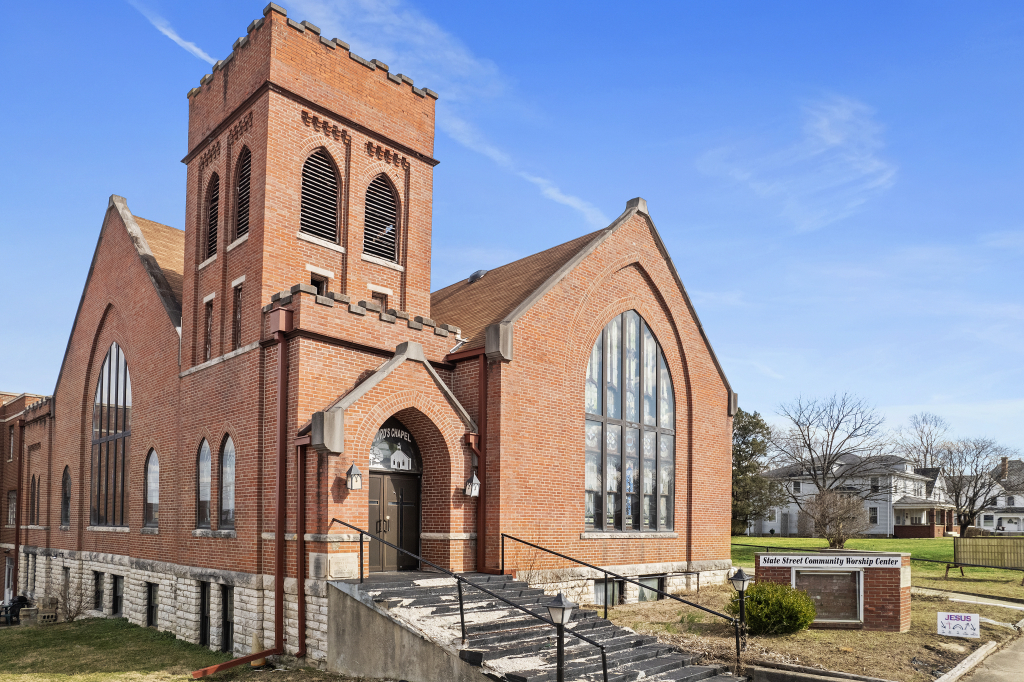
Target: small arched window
<point>630,430</point>
<point>151,490</point>
<point>203,491</point>
<point>111,434</point>
<point>380,236</point>
<point>65,498</point>
<point>242,193</point>
<point>227,484</point>
<point>32,503</point>
<point>318,215</point>
<point>212,215</point>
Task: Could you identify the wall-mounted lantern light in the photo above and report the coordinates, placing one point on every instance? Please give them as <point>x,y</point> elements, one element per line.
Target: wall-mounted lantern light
<point>473,486</point>
<point>355,478</point>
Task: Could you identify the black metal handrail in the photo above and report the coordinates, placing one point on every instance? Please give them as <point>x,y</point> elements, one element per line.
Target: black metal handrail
<point>459,580</point>
<point>734,621</point>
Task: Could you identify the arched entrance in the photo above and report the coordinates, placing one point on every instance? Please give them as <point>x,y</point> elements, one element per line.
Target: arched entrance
<point>395,469</point>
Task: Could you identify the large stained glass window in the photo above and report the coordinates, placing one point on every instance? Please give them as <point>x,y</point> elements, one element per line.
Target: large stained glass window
<point>111,436</point>
<point>630,430</point>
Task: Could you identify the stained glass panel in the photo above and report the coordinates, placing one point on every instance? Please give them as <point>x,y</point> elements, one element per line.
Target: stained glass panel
<point>666,397</point>
<point>631,482</point>
<point>613,368</point>
<point>594,367</point>
<point>666,479</point>
<point>594,474</point>
<point>613,479</point>
<point>632,367</point>
<point>650,366</point>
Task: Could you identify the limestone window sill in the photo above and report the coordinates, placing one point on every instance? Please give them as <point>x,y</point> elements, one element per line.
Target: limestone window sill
<point>207,533</point>
<point>206,262</point>
<point>34,527</point>
<point>108,529</point>
<point>149,530</point>
<point>320,242</point>
<point>380,261</point>
<point>65,527</point>
<point>238,242</point>
<point>627,535</point>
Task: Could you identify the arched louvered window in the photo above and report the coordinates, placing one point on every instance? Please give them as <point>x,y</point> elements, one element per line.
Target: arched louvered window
<point>111,436</point>
<point>212,215</point>
<point>380,236</point>
<point>227,484</point>
<point>319,210</point>
<point>630,430</point>
<point>151,491</point>
<point>203,489</point>
<point>242,193</point>
<point>65,498</point>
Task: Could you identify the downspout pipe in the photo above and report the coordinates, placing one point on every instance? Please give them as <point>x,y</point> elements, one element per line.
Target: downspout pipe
<point>18,505</point>
<point>477,442</point>
<point>300,543</point>
<point>280,324</point>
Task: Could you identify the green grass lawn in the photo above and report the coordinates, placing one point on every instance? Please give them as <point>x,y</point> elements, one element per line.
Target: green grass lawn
<point>98,650</point>
<point>980,581</point>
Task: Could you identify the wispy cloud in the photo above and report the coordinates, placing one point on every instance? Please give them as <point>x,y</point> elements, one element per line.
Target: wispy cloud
<point>823,177</point>
<point>162,25</point>
<point>411,43</point>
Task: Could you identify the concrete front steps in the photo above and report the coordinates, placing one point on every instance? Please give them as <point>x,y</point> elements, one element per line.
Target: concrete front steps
<point>510,646</point>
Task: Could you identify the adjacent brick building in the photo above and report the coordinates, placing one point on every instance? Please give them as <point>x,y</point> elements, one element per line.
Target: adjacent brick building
<point>223,385</point>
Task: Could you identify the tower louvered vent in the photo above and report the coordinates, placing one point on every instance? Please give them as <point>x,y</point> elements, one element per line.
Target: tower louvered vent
<point>212,214</point>
<point>319,215</point>
<point>244,178</point>
<point>380,235</point>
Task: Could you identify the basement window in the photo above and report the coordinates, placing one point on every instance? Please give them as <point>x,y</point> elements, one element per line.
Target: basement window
<point>380,236</point>
<point>608,591</point>
<point>97,581</point>
<point>227,630</point>
<point>204,613</point>
<point>318,214</point>
<point>651,585</point>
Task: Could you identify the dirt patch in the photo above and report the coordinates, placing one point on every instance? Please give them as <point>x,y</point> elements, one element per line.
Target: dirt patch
<point>915,656</point>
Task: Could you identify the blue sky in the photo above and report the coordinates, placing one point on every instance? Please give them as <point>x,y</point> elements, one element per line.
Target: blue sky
<point>839,184</point>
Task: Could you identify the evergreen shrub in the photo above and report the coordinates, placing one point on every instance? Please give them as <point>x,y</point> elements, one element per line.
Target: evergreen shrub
<point>775,609</point>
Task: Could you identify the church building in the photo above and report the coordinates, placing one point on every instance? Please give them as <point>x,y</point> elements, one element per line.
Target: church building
<point>241,400</point>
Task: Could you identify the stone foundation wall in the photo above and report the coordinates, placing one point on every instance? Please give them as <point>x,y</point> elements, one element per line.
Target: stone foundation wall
<point>578,584</point>
<point>41,574</point>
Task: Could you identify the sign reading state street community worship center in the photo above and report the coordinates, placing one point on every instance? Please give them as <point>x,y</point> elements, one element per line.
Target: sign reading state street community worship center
<point>829,561</point>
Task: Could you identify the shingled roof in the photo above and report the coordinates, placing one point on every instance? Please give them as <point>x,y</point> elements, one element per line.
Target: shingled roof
<point>168,246</point>
<point>490,299</point>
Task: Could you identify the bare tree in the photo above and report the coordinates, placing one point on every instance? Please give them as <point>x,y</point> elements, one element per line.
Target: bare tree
<point>922,441</point>
<point>836,442</point>
<point>967,464</point>
<point>837,516</point>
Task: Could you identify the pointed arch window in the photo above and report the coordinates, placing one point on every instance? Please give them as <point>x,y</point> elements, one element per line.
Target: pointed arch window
<point>318,214</point>
<point>212,215</point>
<point>111,440</point>
<point>242,187</point>
<point>203,486</point>
<point>32,503</point>
<point>380,236</point>
<point>630,430</point>
<point>65,497</point>
<point>227,485</point>
<point>151,491</point>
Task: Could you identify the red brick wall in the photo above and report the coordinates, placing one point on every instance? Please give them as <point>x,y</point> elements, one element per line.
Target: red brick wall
<point>928,530</point>
<point>536,411</point>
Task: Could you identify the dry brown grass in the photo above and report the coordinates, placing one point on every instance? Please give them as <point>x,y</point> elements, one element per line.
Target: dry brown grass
<point>909,657</point>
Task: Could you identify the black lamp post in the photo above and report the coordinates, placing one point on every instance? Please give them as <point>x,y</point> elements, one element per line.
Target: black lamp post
<point>560,609</point>
<point>740,581</point>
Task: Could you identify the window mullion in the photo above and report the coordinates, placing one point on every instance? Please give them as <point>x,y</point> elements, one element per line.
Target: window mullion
<point>624,390</point>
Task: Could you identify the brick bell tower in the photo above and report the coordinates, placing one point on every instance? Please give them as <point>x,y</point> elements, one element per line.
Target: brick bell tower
<point>306,163</point>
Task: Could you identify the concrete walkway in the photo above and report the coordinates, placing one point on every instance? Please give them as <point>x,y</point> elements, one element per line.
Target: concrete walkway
<point>1006,665</point>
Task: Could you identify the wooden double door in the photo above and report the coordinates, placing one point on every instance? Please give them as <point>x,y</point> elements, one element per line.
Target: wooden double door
<point>394,518</point>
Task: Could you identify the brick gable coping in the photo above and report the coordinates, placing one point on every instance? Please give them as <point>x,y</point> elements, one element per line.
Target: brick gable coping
<point>498,335</point>
<point>327,427</point>
<point>157,277</point>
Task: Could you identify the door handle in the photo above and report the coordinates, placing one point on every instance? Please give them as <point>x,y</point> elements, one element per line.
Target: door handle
<point>377,530</point>
<point>387,524</point>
